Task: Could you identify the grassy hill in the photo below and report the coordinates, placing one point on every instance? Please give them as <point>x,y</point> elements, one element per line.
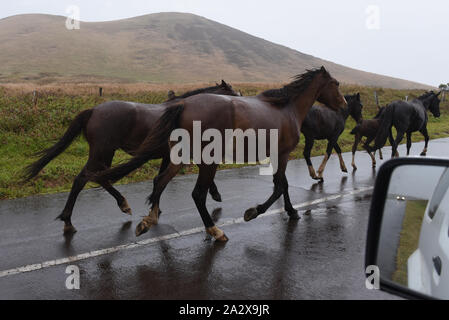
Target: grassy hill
<point>156,48</point>
<point>26,129</point>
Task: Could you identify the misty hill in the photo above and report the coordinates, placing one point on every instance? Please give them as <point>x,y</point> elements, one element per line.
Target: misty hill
<point>161,48</point>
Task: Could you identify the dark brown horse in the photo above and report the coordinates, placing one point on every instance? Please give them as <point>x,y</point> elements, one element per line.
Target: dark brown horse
<point>108,127</point>
<point>281,110</point>
<point>367,128</point>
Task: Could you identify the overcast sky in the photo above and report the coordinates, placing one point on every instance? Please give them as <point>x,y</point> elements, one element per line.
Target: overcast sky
<point>407,39</point>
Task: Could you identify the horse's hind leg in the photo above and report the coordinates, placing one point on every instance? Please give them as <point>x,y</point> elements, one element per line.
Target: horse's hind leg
<point>426,137</point>
<point>409,142</point>
<point>160,182</point>
<point>103,161</point>
<point>307,149</point>
<point>66,215</point>
<point>398,140</point>
<point>205,178</point>
<point>381,157</point>
<point>394,151</point>
<point>340,158</point>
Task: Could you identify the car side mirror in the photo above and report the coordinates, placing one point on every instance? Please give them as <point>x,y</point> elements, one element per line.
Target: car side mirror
<point>408,231</point>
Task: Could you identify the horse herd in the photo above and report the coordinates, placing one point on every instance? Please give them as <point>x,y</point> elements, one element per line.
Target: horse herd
<point>143,131</point>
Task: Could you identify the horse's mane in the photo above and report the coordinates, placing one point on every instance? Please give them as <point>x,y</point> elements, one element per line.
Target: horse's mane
<point>197,91</point>
<point>426,95</point>
<point>290,91</point>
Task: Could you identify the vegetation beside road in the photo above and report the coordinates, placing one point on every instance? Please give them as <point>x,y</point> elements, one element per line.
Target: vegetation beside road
<point>27,127</point>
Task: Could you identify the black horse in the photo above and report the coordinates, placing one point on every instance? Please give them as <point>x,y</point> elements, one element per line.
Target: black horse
<point>367,128</point>
<point>407,117</point>
<point>108,127</point>
<point>325,124</point>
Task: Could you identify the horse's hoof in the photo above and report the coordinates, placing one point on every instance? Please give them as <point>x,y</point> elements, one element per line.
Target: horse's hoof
<point>316,178</point>
<point>125,208</point>
<point>293,215</point>
<point>141,229</point>
<point>354,168</point>
<point>250,214</point>
<point>344,170</point>
<point>216,197</point>
<point>69,230</point>
<point>223,238</point>
<point>321,179</point>
<point>423,154</point>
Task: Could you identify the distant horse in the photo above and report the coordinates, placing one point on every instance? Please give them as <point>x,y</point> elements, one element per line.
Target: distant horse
<point>367,128</point>
<point>282,110</point>
<point>407,117</point>
<point>323,123</point>
<point>108,127</point>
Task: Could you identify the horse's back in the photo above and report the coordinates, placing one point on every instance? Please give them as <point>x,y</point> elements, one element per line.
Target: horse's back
<point>322,122</point>
<point>408,116</point>
<point>121,124</point>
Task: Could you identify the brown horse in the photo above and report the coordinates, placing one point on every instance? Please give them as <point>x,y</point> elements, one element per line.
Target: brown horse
<point>282,110</point>
<point>108,127</point>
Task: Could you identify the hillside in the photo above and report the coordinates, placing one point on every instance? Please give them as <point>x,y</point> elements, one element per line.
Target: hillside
<point>158,48</point>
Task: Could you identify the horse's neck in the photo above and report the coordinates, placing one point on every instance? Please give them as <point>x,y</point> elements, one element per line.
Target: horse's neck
<point>423,103</point>
<point>302,104</point>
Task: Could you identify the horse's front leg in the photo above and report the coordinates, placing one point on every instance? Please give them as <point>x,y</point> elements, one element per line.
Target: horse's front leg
<point>357,139</point>
<point>330,146</point>
<point>279,185</point>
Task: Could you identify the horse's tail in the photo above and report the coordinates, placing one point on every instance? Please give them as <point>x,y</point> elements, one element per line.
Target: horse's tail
<point>74,130</point>
<point>157,139</point>
<point>384,127</point>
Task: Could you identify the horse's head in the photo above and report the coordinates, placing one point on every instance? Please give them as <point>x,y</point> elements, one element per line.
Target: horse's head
<point>355,107</point>
<point>432,102</point>
<point>225,89</point>
<point>435,105</point>
<point>330,94</point>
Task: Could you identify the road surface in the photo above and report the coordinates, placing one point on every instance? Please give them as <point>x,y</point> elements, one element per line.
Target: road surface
<point>321,256</point>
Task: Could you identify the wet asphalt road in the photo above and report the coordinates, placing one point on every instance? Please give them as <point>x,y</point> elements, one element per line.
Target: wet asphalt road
<point>321,256</point>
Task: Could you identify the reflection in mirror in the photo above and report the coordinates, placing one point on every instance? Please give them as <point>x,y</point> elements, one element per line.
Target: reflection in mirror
<point>414,239</point>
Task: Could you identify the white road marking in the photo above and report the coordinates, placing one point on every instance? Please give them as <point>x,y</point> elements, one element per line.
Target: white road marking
<point>101,252</point>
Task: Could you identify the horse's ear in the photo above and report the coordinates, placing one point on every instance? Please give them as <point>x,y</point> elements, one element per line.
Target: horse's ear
<point>358,96</point>
<point>223,83</point>
<point>323,69</point>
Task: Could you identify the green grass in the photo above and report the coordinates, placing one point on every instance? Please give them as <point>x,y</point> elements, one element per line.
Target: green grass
<point>409,238</point>
<point>26,129</point>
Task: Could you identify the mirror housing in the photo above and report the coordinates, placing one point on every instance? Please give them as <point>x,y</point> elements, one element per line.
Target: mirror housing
<point>375,250</point>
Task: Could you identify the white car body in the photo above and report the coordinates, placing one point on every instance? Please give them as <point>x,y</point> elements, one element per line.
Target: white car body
<point>433,246</point>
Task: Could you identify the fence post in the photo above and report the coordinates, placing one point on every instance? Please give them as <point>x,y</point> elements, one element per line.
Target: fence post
<point>34,98</point>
